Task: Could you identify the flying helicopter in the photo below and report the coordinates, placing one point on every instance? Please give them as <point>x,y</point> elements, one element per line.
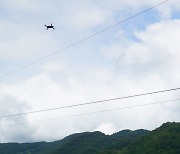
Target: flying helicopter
<point>49,26</point>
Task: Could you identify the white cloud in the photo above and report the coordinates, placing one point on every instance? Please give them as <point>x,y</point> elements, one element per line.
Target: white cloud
<point>42,92</point>
<point>106,128</point>
<point>11,105</point>
<point>157,49</point>
<point>89,19</point>
<point>121,67</point>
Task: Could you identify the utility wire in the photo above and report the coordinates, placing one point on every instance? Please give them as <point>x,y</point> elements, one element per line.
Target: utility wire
<point>80,41</point>
<point>89,103</point>
<point>96,112</point>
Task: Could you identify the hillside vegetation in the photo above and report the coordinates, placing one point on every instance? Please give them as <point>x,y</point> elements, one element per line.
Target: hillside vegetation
<point>163,140</point>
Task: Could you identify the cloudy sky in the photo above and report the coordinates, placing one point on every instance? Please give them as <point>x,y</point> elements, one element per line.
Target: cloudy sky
<point>138,56</point>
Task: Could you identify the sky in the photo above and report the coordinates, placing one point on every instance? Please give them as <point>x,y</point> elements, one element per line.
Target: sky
<point>138,56</point>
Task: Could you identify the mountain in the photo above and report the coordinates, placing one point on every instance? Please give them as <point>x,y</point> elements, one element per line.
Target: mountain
<point>95,142</point>
<point>163,140</point>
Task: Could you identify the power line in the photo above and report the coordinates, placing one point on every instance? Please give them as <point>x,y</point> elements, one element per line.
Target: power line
<point>96,112</point>
<point>80,41</point>
<point>89,103</point>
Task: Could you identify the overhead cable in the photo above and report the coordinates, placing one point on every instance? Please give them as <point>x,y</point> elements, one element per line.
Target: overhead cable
<point>89,103</point>
<point>80,41</point>
<point>96,112</point>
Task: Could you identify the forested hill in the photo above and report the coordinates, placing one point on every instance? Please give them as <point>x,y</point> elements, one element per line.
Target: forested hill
<point>163,140</point>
